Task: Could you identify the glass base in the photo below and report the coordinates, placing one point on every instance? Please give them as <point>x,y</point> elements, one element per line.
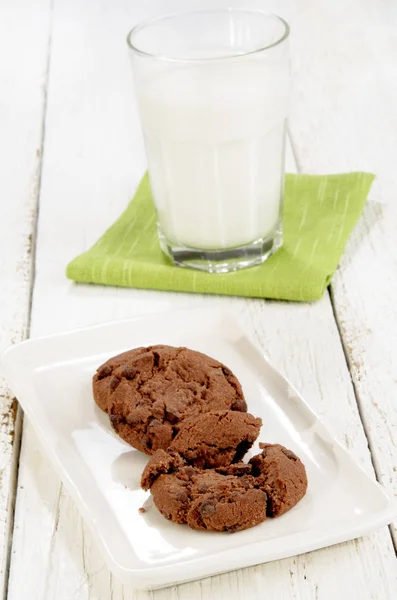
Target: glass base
<point>226,260</point>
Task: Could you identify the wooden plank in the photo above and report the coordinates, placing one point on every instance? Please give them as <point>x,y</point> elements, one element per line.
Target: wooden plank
<point>93,158</point>
<point>24,34</point>
<point>345,119</point>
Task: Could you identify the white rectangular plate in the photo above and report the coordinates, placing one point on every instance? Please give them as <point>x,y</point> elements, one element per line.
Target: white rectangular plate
<point>51,378</point>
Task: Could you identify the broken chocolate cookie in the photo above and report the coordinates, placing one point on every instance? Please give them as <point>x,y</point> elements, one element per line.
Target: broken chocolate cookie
<point>282,475</point>
<point>228,498</point>
<point>205,499</point>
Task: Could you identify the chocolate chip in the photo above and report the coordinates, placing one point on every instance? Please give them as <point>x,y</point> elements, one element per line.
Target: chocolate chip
<point>208,508</point>
<point>104,371</point>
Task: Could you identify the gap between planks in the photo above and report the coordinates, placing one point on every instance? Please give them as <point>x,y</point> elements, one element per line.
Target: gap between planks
<point>329,291</point>
<point>18,424</point>
<point>13,493</point>
<point>358,402</point>
<point>345,352</point>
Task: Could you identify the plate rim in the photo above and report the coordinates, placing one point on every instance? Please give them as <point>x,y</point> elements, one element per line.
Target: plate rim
<point>167,575</point>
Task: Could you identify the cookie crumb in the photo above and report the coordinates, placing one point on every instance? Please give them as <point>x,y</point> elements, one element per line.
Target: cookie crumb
<point>141,510</point>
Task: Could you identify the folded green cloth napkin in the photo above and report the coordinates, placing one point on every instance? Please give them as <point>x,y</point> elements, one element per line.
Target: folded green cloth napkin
<point>320,211</point>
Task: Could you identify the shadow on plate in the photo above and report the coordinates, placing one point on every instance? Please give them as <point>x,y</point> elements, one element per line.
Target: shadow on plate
<point>127,469</point>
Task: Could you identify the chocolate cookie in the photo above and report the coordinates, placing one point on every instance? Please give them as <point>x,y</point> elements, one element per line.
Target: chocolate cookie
<point>228,498</point>
<point>204,499</point>
<point>216,439</point>
<point>282,475</point>
<point>149,392</point>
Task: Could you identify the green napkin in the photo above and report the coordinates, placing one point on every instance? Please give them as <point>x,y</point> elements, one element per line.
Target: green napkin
<point>320,212</point>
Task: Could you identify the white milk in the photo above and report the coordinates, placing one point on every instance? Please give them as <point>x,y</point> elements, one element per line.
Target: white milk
<point>214,137</point>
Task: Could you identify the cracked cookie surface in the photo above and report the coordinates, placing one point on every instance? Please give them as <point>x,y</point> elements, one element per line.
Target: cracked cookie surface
<point>149,392</point>
<point>216,439</point>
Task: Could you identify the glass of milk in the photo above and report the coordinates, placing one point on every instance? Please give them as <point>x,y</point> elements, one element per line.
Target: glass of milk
<point>212,89</point>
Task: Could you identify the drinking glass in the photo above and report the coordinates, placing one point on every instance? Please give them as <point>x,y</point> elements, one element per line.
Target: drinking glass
<point>212,89</point>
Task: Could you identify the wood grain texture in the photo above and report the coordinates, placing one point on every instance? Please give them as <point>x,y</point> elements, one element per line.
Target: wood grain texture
<point>347,120</point>
<point>22,81</point>
<point>93,160</point>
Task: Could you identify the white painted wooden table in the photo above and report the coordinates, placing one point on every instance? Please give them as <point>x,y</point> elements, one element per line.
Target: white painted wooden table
<point>71,155</point>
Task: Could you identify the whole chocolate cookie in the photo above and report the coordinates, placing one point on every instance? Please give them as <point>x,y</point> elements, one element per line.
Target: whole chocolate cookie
<point>216,439</point>
<point>149,392</point>
<point>282,475</point>
<point>204,499</point>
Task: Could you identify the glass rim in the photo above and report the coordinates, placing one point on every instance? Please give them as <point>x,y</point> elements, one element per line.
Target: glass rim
<point>168,16</point>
